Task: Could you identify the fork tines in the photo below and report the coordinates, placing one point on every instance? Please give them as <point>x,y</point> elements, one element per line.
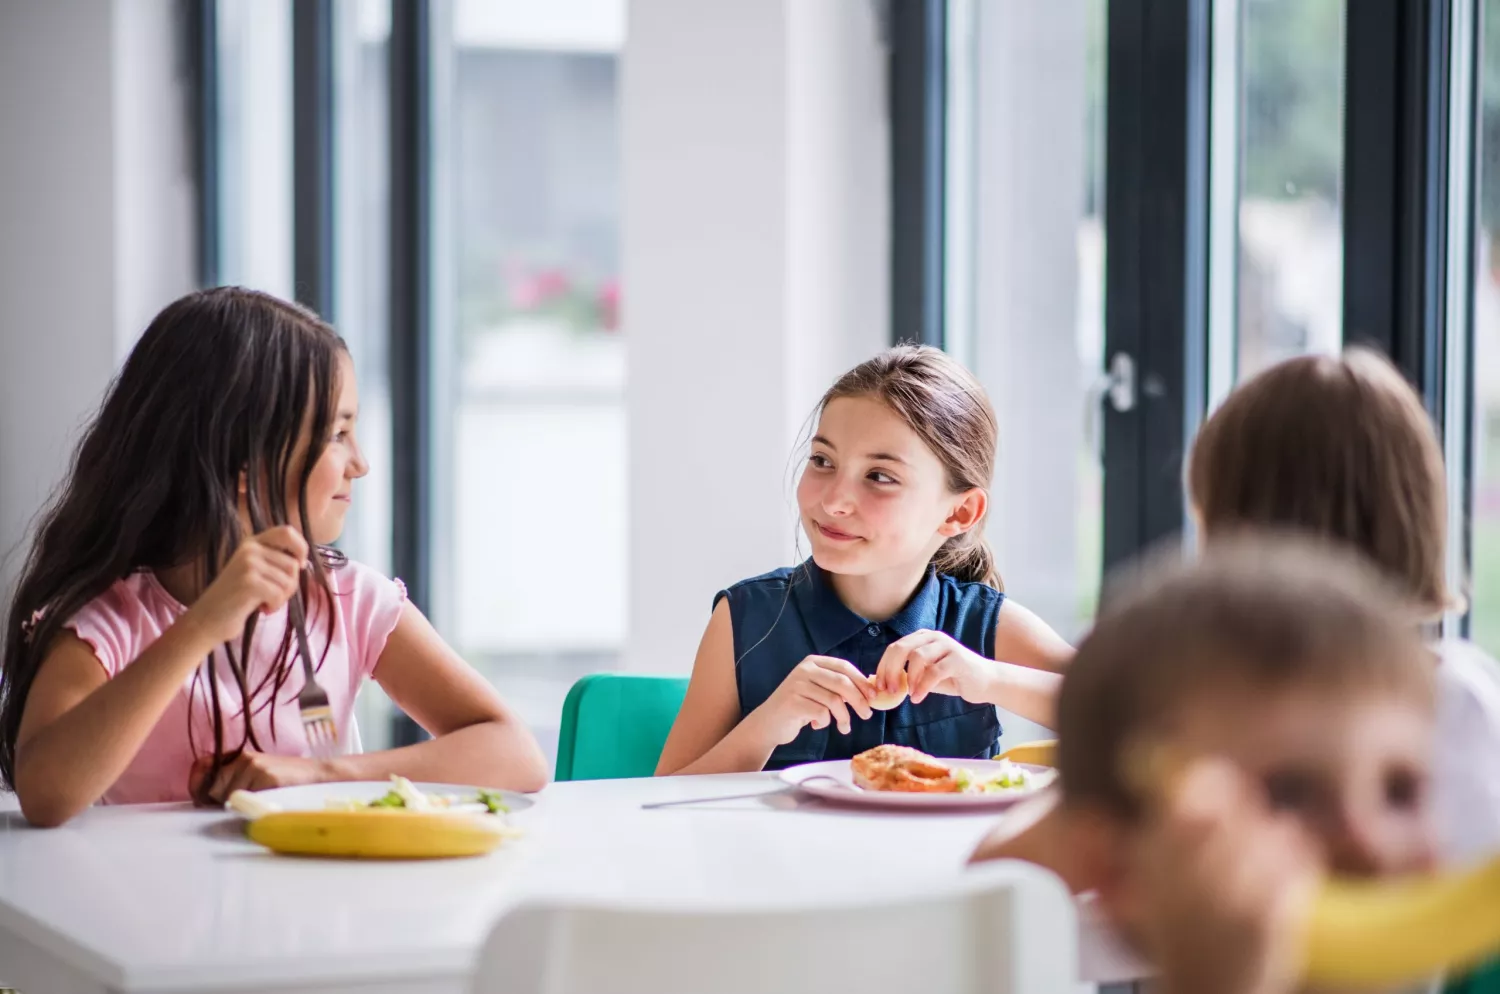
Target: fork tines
<point>317,716</point>
<point>318,725</point>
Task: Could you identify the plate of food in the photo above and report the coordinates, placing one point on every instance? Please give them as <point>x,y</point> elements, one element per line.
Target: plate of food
<point>395,794</point>
<point>378,820</point>
<point>892,776</point>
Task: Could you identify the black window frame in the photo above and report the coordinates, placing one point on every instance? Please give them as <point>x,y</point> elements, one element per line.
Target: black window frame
<point>1158,149</point>
<point>1156,198</point>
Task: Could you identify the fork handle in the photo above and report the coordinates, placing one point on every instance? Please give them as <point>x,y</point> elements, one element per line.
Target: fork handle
<point>656,805</point>
<point>299,624</point>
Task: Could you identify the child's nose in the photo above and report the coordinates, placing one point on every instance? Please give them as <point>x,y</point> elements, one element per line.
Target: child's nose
<point>357,466</point>
<point>1356,846</point>
<point>838,499</point>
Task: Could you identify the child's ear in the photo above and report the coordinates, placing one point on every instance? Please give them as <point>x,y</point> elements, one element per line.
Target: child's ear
<point>967,513</point>
<point>1100,842</point>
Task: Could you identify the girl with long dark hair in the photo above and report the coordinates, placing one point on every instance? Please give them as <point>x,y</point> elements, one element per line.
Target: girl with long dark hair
<point>151,649</point>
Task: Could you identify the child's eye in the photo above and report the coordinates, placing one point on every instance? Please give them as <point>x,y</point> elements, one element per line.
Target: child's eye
<point>819,461</point>
<point>1289,791</point>
<point>879,477</point>
<point>1403,789</point>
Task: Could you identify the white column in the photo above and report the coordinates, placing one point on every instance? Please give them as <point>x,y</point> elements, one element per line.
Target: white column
<point>755,164</point>
<point>95,193</point>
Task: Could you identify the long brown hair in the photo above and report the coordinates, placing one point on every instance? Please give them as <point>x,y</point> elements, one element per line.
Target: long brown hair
<point>223,386</point>
<point>1338,446</point>
<point>944,404</point>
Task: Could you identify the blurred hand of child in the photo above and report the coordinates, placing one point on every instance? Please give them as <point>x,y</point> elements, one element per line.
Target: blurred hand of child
<point>1222,887</point>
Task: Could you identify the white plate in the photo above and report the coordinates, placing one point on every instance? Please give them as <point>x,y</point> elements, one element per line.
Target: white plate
<point>315,796</point>
<point>833,781</point>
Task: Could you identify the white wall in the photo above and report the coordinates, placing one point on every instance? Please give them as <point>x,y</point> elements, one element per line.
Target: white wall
<point>755,271</point>
<point>95,222</point>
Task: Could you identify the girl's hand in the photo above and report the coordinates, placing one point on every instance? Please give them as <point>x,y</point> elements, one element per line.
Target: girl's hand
<point>261,575</point>
<point>936,664</point>
<point>260,771</point>
<point>1219,887</point>
<point>820,691</point>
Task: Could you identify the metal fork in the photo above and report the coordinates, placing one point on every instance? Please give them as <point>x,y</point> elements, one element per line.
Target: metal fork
<point>787,789</point>
<point>317,715</point>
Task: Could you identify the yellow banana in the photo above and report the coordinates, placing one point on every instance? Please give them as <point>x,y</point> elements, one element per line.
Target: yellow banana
<point>1369,933</point>
<point>1042,752</point>
<point>378,833</point>
<point>1383,933</point>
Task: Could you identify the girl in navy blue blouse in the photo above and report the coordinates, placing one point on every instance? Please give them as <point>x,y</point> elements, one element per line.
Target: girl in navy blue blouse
<point>892,630</point>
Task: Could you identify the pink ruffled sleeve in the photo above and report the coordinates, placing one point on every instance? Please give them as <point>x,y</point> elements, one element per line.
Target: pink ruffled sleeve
<point>373,605</point>
<point>111,625</point>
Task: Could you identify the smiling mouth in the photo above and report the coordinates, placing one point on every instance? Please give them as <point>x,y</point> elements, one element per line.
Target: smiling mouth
<point>833,534</point>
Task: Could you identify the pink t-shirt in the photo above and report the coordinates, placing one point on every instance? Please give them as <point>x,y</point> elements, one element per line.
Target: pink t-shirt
<point>121,623</point>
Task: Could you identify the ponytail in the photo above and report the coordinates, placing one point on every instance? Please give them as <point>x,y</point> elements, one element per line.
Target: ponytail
<point>969,558</point>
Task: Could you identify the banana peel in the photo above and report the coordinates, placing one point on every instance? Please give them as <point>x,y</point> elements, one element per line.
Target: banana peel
<point>378,833</point>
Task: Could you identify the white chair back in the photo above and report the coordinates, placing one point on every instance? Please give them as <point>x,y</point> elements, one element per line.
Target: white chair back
<point>1008,928</point>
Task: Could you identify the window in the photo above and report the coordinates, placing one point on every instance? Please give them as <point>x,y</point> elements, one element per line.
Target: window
<point>515,280</point>
<point>1291,148</point>
<point>1282,176</point>
<point>254,144</point>
<point>1025,270</point>
<point>1209,138</point>
<point>1484,592</point>
<point>531,495</point>
<point>360,54</point>
<point>361,187</point>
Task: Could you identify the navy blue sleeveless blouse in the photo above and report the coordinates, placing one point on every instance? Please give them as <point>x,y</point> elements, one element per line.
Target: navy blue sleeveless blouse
<point>783,617</point>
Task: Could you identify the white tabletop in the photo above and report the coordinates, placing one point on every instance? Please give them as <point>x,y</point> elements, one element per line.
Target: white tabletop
<point>165,899</point>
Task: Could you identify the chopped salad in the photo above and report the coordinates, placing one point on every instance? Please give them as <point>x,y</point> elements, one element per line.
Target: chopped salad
<point>403,794</point>
<point>1007,778</point>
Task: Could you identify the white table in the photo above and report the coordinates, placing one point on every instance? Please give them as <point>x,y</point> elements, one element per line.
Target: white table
<point>166,899</point>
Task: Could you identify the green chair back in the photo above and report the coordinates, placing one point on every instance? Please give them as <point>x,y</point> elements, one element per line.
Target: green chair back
<point>614,725</point>
<point>1483,980</point>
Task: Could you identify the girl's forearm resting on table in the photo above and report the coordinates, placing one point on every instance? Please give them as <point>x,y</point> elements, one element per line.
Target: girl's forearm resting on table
<point>70,761</point>
<point>487,754</point>
<point>744,749</point>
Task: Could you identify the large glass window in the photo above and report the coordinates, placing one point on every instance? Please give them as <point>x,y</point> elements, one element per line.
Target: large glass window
<point>528,468</point>
<point>254,136</point>
<point>533,490</point>
<point>1025,262</point>
<point>361,281</point>
<point>255,211</point>
<point>1484,592</point>
<point>1291,148</point>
